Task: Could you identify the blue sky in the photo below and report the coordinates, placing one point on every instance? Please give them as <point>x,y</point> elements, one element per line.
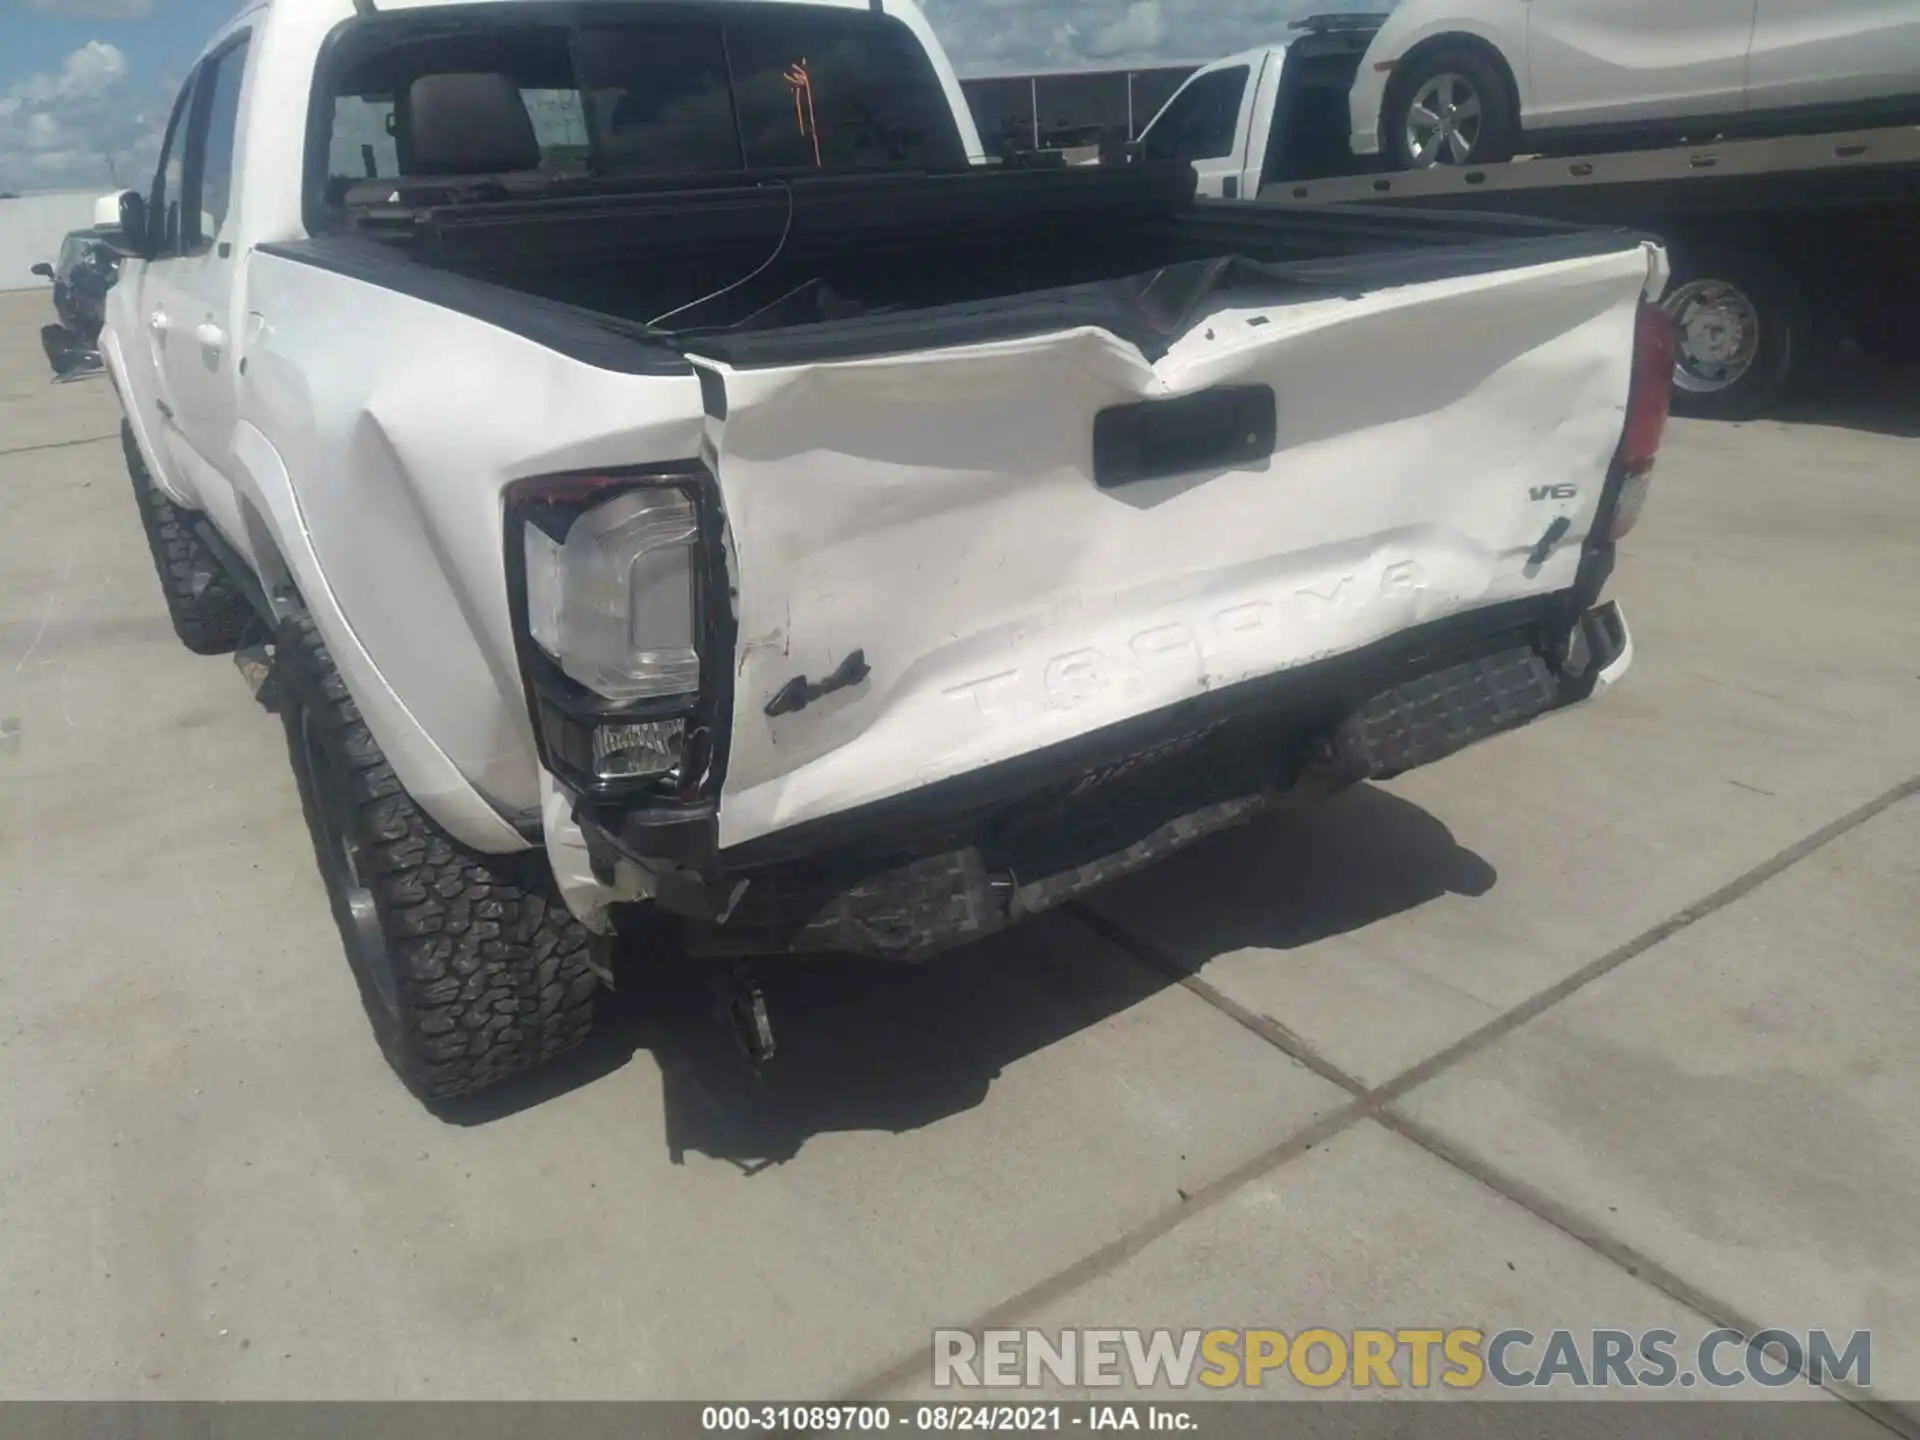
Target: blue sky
<point>85,85</point>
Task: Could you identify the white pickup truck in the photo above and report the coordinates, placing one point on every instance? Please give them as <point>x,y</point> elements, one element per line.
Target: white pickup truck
<point>682,490</point>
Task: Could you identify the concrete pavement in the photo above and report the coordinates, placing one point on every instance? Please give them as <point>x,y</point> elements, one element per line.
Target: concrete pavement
<point>1607,1023</point>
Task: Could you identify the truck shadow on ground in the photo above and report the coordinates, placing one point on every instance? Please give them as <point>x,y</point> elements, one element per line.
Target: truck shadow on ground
<point>867,1046</point>
<point>1860,393</point>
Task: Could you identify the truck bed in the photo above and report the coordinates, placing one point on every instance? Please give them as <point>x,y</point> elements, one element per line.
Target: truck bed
<point>833,267</point>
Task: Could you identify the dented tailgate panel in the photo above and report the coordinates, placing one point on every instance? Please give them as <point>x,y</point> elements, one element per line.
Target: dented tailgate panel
<point>931,580</point>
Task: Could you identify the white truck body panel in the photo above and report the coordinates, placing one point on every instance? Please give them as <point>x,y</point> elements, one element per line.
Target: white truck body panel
<point>400,482</point>
<point>1005,603</point>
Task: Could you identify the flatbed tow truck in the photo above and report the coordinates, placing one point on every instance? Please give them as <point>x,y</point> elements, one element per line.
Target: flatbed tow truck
<point>1784,246</point>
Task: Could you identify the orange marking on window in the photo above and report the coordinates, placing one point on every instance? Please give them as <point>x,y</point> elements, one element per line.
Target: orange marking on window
<point>801,81</point>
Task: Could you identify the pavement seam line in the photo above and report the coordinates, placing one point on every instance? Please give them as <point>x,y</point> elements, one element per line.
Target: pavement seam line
<point>59,444</point>
<point>1564,1218</point>
<point>1118,1251</point>
<point>1365,1103</point>
<point>1741,886</point>
<point>1263,1026</point>
<point>1641,1266</point>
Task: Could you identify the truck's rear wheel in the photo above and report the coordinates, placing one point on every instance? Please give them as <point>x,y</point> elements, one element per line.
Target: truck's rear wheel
<point>470,966</point>
<point>1741,328</point>
<point>209,613</point>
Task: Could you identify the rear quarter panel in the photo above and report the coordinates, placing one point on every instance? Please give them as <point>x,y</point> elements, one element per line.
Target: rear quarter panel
<point>399,425</point>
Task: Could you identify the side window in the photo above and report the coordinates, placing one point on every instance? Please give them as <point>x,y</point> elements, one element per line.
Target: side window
<point>366,130</point>
<point>210,152</point>
<point>1201,121</point>
<point>560,126</point>
<point>362,143</point>
<point>163,200</point>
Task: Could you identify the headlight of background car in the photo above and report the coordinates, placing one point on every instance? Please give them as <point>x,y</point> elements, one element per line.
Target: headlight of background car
<point>608,606</point>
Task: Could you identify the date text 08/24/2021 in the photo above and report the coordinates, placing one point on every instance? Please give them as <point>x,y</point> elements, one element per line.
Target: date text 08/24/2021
<point>943,1418</point>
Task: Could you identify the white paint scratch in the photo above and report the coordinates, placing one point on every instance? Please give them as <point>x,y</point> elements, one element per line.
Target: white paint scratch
<point>46,613</point>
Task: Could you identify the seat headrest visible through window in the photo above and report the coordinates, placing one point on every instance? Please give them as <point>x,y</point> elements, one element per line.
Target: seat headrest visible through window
<point>468,124</point>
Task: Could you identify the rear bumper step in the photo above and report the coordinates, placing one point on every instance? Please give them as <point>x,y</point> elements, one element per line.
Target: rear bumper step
<point>1113,821</point>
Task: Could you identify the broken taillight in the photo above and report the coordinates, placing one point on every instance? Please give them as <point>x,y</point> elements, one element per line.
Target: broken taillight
<point>607,580</point>
<point>1649,400</point>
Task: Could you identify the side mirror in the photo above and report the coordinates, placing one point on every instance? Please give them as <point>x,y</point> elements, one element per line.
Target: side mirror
<point>135,237</point>
<point>43,270</point>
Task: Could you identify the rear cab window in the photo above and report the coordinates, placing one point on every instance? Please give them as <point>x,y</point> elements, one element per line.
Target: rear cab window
<point>719,90</point>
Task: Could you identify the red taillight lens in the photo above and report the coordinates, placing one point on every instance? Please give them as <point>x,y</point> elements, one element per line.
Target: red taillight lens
<point>1651,393</point>
<point>1648,399</point>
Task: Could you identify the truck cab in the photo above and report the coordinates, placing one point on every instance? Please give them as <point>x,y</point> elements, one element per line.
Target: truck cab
<point>1273,113</point>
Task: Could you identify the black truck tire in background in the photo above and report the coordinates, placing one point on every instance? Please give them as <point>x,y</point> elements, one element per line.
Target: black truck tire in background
<point>1742,332</point>
<point>209,613</point>
<point>470,966</point>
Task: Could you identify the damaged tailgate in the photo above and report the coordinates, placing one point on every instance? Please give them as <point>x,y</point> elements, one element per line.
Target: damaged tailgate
<point>948,559</point>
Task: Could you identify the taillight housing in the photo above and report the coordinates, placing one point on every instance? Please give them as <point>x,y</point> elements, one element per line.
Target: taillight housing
<point>611,579</point>
<point>1649,402</point>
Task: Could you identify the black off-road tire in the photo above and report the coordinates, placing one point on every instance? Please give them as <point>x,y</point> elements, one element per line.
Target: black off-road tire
<point>470,966</point>
<point>209,613</point>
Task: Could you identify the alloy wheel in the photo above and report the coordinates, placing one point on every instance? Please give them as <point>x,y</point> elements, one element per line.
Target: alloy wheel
<point>1444,121</point>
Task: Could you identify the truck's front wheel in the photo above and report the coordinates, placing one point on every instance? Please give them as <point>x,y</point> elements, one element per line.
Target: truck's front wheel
<point>469,965</point>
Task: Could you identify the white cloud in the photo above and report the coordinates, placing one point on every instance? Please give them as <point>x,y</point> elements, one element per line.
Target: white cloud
<point>1138,32</point>
<point>95,9</point>
<point>82,125</point>
<point>988,36</point>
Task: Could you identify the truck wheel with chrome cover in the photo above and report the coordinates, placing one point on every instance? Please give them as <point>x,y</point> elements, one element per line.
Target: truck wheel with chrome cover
<point>1741,328</point>
<point>209,613</point>
<point>470,966</point>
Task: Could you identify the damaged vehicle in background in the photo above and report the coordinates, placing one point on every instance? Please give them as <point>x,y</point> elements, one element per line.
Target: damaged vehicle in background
<point>684,493</point>
<point>82,273</point>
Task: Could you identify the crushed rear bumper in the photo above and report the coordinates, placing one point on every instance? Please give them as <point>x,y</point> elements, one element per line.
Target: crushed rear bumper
<point>962,860</point>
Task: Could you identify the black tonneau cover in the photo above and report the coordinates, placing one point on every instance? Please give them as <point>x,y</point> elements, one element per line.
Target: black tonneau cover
<point>594,220</point>
<point>1153,256</point>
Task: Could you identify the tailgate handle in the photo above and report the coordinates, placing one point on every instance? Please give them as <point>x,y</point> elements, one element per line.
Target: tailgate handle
<point>1226,428</point>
